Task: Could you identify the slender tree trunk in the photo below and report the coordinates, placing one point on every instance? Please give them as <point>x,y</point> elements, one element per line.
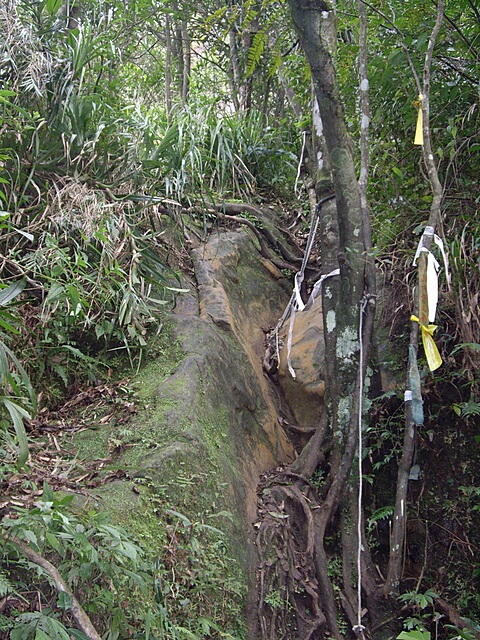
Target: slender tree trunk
<point>187,60</point>
<point>235,68</point>
<point>345,238</point>
<point>177,51</point>
<point>266,99</point>
<point>394,572</point>
<point>314,23</point>
<point>246,84</point>
<point>168,67</point>
<point>290,94</point>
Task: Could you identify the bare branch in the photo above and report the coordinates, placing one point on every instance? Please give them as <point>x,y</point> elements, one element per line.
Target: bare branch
<point>83,621</point>
<point>402,42</point>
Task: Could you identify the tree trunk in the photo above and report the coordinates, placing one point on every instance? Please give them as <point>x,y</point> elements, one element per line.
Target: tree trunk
<point>168,67</point>
<point>345,238</point>
<point>187,61</point>
<point>235,68</point>
<point>420,311</point>
<point>314,23</point>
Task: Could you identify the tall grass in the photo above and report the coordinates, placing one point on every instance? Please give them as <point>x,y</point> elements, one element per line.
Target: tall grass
<point>211,153</point>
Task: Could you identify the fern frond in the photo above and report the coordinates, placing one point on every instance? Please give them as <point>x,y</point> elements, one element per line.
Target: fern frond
<point>6,586</point>
<point>275,63</point>
<point>249,17</point>
<point>217,16</point>
<point>255,52</point>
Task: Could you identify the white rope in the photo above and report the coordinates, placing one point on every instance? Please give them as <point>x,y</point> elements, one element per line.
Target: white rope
<point>359,628</point>
<point>299,168</point>
<point>289,342</point>
<point>296,301</point>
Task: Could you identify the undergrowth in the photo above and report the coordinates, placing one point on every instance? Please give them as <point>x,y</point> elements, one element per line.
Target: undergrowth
<point>182,587</point>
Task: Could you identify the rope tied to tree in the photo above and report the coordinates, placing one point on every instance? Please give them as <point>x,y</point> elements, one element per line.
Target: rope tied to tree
<point>296,302</point>
<point>359,628</point>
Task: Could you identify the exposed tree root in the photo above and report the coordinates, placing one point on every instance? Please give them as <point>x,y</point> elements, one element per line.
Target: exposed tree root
<point>454,617</point>
<point>297,599</point>
<point>231,211</point>
<point>289,595</point>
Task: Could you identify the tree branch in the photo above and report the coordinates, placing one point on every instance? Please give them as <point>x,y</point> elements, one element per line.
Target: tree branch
<point>83,621</point>
<point>402,42</point>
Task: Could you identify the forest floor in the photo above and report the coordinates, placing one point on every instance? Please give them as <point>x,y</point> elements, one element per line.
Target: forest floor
<point>53,459</point>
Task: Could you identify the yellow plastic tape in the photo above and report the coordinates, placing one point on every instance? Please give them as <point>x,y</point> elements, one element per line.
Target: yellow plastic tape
<point>434,359</point>
<point>419,130</point>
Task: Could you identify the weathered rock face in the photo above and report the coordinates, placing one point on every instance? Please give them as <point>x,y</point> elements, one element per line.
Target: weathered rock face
<point>219,391</point>
<point>209,427</point>
<point>305,392</point>
<point>238,297</point>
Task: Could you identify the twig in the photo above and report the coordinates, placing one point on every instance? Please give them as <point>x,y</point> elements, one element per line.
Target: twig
<point>402,42</point>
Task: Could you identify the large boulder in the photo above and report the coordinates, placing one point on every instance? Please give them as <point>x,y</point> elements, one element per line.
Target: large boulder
<point>304,391</point>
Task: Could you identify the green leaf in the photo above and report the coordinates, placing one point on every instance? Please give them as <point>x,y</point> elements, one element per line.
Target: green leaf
<point>11,292</point>
<point>30,537</point>
<point>52,6</point>
<point>473,346</point>
<point>129,550</point>
<point>53,542</point>
<point>18,414</point>
<point>379,514</point>
<point>207,527</point>
<point>47,495</point>
<point>56,292</point>
<point>6,586</point>
<point>222,514</point>
<point>64,601</point>
<point>54,628</point>
<point>7,326</point>
<point>255,53</point>
<point>185,633</point>
<point>183,518</point>
<point>5,354</point>
<point>414,635</point>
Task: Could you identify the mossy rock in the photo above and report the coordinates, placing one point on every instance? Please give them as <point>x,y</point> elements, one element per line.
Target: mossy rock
<point>208,426</point>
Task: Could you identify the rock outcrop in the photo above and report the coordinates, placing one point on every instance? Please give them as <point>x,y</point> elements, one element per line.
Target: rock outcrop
<point>210,423</point>
<point>304,393</point>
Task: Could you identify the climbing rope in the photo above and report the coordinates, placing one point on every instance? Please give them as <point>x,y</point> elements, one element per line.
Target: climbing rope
<point>296,302</point>
<point>300,163</point>
<point>358,629</point>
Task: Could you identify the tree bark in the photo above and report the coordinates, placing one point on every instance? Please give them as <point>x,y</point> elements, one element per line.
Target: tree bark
<point>345,238</point>
<point>314,23</point>
<point>168,67</point>
<point>187,61</point>
<point>235,68</point>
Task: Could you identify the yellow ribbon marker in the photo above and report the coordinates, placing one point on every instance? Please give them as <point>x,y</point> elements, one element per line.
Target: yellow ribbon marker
<point>419,130</point>
<point>434,359</point>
